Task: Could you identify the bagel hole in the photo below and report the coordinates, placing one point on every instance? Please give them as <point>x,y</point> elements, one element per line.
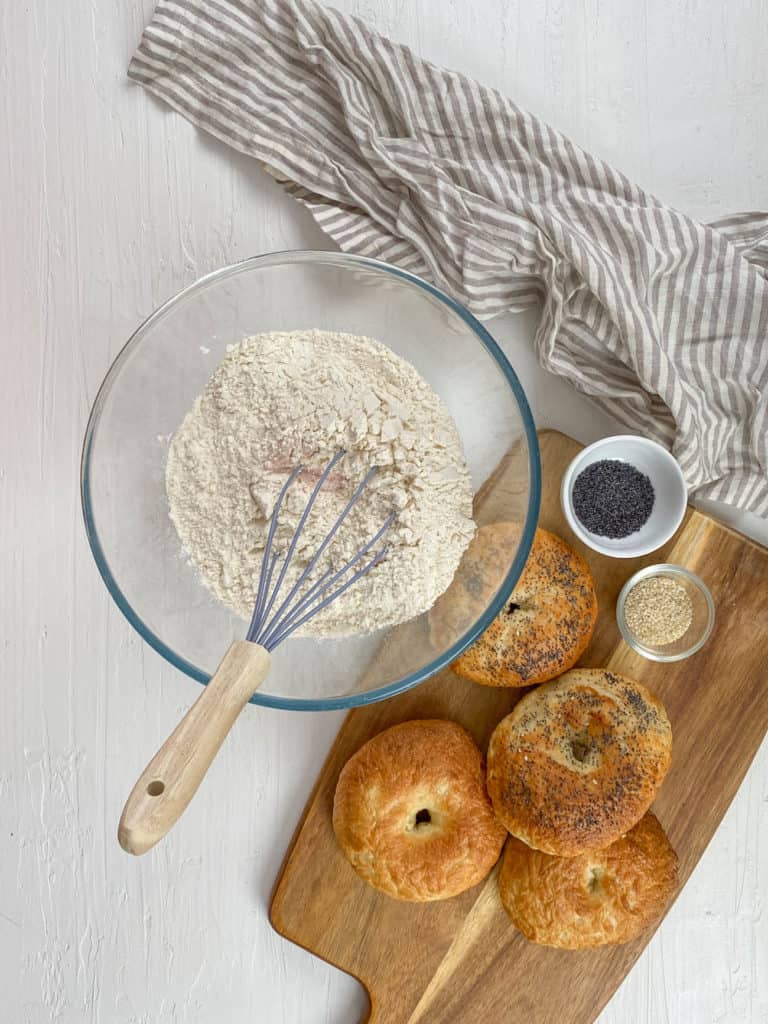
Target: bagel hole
<point>594,879</point>
<point>580,747</point>
<point>423,817</point>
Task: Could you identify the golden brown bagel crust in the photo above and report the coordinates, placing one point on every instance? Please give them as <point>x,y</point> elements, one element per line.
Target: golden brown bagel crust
<point>579,761</point>
<point>546,624</point>
<point>595,899</point>
<point>431,766</point>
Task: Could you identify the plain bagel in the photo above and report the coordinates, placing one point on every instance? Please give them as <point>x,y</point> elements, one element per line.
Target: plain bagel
<point>412,815</point>
<point>579,761</point>
<point>595,899</point>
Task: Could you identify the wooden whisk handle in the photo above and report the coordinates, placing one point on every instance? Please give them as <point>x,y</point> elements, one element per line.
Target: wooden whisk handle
<point>171,778</point>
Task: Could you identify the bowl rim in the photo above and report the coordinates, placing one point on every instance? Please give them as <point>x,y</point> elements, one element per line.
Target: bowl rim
<point>277,258</point>
<point>631,551</point>
<point>664,569</point>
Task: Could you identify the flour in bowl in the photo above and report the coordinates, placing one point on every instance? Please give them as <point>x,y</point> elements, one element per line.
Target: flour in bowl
<point>283,399</point>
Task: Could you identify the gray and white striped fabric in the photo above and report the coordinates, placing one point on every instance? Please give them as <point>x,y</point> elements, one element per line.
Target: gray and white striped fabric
<point>661,320</point>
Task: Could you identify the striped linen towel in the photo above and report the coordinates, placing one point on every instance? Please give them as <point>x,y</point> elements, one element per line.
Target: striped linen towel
<point>661,320</point>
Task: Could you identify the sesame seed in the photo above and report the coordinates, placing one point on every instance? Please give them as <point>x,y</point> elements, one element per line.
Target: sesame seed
<point>658,611</point>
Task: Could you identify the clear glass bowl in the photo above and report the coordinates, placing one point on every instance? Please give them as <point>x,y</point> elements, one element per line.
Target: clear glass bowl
<point>167,363</point>
<point>702,605</point>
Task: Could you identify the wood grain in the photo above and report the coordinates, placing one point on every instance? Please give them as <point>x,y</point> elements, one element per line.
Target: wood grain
<point>462,959</point>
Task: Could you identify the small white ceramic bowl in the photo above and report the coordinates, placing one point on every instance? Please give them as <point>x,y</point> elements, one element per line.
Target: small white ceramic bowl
<point>659,466</point>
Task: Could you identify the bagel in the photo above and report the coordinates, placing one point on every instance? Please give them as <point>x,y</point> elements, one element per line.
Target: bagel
<point>545,625</point>
<point>596,899</point>
<point>579,761</point>
<point>412,815</point>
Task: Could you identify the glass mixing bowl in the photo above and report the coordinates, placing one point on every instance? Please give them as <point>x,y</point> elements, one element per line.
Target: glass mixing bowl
<point>167,363</point>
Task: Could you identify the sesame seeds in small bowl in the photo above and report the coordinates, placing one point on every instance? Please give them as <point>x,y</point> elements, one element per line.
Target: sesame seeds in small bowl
<point>624,496</point>
<point>665,612</point>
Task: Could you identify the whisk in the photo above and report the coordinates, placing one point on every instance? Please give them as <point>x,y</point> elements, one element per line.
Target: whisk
<point>172,777</point>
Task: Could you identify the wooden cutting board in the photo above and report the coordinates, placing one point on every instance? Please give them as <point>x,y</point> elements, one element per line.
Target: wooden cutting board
<point>461,960</point>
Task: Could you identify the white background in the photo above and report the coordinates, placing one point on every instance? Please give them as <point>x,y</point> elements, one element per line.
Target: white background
<point>109,203</point>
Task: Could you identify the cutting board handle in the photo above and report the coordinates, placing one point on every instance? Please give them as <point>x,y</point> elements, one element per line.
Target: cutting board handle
<point>171,778</point>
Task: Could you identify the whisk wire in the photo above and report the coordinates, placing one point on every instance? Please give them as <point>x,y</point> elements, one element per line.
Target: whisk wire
<point>300,526</point>
<point>265,578</point>
<point>287,630</point>
<point>301,603</point>
<point>316,557</point>
<point>337,525</point>
<point>321,586</point>
<point>269,629</point>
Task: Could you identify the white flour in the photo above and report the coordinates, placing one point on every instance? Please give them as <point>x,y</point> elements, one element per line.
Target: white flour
<point>284,399</point>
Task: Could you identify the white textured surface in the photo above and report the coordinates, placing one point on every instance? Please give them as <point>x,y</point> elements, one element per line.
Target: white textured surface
<point>108,204</point>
